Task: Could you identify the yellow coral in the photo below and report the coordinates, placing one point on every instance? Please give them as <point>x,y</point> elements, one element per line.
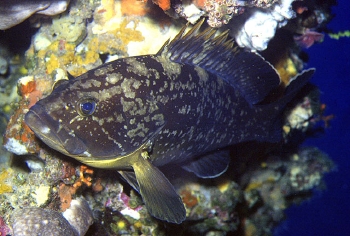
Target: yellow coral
<point>253,185</point>
<point>89,57</point>
<point>4,188</point>
<point>258,184</point>
<point>121,224</point>
<point>286,69</point>
<point>57,55</point>
<point>224,185</point>
<point>23,70</point>
<point>127,34</point>
<point>286,129</point>
<point>52,64</point>
<point>76,71</point>
<point>95,46</point>
<point>138,224</point>
<point>116,41</point>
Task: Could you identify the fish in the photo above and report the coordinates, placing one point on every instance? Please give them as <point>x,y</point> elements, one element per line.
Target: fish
<point>184,105</point>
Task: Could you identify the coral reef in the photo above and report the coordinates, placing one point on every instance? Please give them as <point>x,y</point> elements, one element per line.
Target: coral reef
<point>211,206</point>
<point>66,191</point>
<point>254,23</point>
<point>260,27</point>
<point>4,187</point>
<point>278,184</point>
<point>262,181</point>
<point>19,139</point>
<point>4,229</point>
<point>304,113</point>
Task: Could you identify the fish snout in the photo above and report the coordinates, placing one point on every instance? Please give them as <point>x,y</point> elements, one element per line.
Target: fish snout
<point>51,132</point>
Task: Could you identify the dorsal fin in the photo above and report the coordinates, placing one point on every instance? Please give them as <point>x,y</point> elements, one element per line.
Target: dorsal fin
<point>59,82</point>
<point>248,72</point>
<point>70,76</point>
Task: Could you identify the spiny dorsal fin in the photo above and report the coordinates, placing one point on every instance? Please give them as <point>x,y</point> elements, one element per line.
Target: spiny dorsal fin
<point>70,76</point>
<point>248,72</point>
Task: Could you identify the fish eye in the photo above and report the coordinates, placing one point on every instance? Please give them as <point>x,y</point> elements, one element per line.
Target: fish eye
<point>86,106</point>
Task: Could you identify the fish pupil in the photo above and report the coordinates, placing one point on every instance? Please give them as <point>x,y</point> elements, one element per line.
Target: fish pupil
<point>87,107</point>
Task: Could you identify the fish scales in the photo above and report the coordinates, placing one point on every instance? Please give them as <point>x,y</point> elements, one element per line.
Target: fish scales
<point>190,103</point>
<point>177,106</point>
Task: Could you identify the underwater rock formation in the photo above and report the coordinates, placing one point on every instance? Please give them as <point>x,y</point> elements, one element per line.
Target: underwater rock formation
<point>75,221</point>
<point>38,221</point>
<point>13,12</point>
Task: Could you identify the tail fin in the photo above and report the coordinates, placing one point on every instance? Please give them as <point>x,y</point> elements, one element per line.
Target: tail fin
<point>278,105</point>
<point>294,86</point>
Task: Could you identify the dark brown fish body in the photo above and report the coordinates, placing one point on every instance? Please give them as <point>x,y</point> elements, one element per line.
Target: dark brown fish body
<point>141,112</point>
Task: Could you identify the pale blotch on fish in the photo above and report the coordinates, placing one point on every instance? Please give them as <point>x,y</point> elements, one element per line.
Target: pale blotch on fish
<point>103,70</point>
<point>90,84</point>
<point>171,69</point>
<point>113,78</point>
<point>137,67</point>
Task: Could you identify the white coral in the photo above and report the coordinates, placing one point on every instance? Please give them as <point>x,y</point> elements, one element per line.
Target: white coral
<point>260,27</point>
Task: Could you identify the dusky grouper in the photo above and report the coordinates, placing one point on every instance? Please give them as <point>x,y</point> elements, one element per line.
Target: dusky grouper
<point>198,95</point>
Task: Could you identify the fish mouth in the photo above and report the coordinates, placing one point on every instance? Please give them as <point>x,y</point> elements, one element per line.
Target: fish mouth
<point>51,132</point>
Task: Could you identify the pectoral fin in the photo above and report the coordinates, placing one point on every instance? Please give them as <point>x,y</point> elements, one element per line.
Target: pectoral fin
<point>157,192</point>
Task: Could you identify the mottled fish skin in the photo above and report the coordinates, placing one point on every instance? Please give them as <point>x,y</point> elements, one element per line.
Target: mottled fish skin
<point>151,111</point>
<point>193,111</point>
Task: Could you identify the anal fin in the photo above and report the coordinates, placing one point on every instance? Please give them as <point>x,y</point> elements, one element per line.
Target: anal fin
<point>158,193</point>
<point>210,165</point>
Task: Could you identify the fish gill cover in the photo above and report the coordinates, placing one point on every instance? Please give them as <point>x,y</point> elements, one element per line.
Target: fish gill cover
<point>200,103</point>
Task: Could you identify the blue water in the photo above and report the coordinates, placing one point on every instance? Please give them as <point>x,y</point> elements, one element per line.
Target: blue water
<point>328,212</point>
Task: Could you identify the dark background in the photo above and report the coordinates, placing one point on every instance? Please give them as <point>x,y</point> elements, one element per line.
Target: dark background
<point>328,212</point>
